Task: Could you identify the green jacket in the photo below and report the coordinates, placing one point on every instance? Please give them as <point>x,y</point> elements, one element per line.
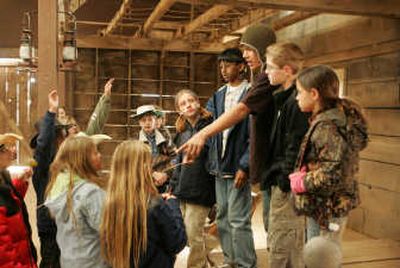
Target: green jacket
<point>99,117</point>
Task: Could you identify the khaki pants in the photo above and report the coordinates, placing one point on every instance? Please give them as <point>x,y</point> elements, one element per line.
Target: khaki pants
<point>194,217</point>
<point>286,232</point>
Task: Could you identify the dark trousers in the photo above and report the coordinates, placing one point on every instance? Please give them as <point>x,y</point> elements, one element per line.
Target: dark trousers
<point>49,251</point>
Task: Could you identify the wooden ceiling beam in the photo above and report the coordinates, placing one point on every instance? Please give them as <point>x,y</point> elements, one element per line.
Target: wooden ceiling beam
<point>382,8</point>
<point>162,7</point>
<point>252,16</point>
<point>291,19</point>
<point>74,5</point>
<point>208,16</point>
<point>117,18</point>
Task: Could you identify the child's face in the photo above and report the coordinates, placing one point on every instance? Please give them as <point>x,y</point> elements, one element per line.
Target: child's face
<point>276,75</point>
<point>188,105</point>
<point>61,113</point>
<point>230,71</point>
<point>95,159</point>
<point>148,123</point>
<point>8,154</point>
<point>251,57</point>
<point>307,99</point>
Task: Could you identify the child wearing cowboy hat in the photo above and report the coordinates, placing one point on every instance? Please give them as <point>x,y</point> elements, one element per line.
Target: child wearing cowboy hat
<point>16,246</point>
<point>160,149</point>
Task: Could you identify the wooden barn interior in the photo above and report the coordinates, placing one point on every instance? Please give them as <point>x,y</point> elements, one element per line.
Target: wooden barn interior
<point>155,48</point>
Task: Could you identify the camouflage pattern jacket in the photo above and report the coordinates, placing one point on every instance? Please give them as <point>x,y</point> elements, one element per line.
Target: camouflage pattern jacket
<point>330,152</point>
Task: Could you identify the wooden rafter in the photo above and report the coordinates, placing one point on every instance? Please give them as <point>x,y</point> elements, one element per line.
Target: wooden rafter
<point>117,18</point>
<point>210,15</point>
<point>291,19</point>
<point>386,8</point>
<point>74,5</point>
<point>252,16</point>
<point>157,13</point>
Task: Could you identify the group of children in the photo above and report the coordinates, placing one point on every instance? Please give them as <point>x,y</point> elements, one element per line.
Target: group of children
<point>286,129</point>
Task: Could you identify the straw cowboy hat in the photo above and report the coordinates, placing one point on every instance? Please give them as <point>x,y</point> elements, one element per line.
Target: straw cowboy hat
<point>97,138</point>
<point>9,138</point>
<point>144,109</point>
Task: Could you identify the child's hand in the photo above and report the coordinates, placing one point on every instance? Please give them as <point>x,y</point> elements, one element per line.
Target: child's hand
<point>108,86</point>
<point>159,178</point>
<point>53,101</point>
<point>240,179</point>
<point>297,181</point>
<point>167,196</point>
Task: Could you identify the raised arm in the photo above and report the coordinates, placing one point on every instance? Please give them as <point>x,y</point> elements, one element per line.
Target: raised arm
<point>101,112</point>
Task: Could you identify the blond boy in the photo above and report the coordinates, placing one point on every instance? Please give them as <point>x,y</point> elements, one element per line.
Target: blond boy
<point>286,229</point>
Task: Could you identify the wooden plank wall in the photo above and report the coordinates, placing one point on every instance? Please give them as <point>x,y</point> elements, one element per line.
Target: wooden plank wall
<point>18,92</point>
<point>141,77</point>
<point>374,81</point>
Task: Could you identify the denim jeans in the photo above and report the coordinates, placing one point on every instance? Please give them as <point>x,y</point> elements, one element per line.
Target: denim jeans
<point>234,223</point>
<point>312,228</point>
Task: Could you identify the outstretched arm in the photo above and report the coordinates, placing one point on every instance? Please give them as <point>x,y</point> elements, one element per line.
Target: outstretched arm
<point>194,146</point>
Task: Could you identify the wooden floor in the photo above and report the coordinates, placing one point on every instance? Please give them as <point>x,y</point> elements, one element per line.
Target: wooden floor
<point>359,251</point>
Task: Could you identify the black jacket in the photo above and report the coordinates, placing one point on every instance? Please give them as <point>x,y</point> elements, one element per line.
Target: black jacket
<point>193,183</point>
<point>288,129</point>
<point>44,154</point>
<point>166,234</point>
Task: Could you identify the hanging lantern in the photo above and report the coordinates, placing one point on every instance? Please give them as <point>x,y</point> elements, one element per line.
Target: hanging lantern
<point>70,52</point>
<point>25,49</point>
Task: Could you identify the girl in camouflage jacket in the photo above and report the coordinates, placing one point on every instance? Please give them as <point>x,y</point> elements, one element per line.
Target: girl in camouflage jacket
<point>324,183</point>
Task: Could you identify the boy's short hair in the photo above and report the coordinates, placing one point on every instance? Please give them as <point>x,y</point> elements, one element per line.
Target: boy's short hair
<point>286,54</point>
<point>231,55</point>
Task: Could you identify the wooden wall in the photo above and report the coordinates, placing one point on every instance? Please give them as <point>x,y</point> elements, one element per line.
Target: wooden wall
<point>18,94</point>
<point>368,50</point>
<point>141,77</point>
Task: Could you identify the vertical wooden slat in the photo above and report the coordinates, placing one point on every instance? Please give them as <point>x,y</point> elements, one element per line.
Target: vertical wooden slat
<point>47,69</point>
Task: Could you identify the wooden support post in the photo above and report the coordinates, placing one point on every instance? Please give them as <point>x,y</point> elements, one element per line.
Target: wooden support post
<point>47,67</point>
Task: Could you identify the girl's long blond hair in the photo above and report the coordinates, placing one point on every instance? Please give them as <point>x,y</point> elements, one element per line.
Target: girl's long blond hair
<point>123,231</point>
<point>73,156</point>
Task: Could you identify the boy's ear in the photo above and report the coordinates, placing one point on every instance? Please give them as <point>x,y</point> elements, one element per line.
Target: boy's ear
<point>314,93</point>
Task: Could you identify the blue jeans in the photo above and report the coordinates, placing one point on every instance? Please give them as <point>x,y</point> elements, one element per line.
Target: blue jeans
<point>234,223</point>
<point>312,228</point>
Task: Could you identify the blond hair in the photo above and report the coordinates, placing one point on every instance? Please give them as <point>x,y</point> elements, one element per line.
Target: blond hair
<point>180,122</point>
<point>74,156</point>
<point>286,54</point>
<point>123,230</point>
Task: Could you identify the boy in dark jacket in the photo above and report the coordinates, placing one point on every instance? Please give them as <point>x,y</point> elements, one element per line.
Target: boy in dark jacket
<point>230,165</point>
<point>286,229</point>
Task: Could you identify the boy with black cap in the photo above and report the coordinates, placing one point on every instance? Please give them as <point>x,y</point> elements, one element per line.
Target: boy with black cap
<point>229,157</point>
